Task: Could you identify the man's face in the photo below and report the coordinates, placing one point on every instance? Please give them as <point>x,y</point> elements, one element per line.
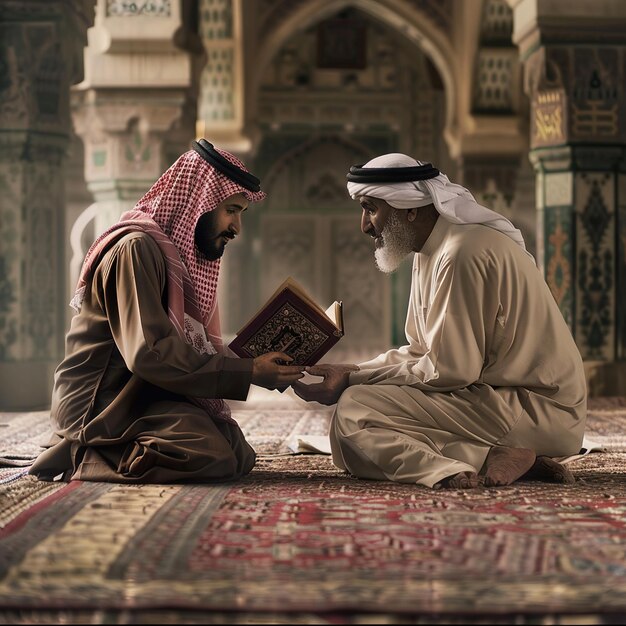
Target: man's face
<point>216,228</point>
<point>392,232</point>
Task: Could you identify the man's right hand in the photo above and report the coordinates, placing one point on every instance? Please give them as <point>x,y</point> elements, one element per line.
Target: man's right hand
<point>269,371</point>
<point>336,381</point>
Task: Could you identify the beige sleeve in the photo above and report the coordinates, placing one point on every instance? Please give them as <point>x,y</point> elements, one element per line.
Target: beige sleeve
<point>454,332</point>
<point>131,294</point>
<point>393,360</point>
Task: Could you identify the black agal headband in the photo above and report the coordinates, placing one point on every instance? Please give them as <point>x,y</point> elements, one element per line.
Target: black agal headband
<point>360,174</point>
<point>236,174</point>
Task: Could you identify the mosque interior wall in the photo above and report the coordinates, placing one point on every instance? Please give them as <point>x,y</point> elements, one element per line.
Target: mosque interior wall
<point>301,90</point>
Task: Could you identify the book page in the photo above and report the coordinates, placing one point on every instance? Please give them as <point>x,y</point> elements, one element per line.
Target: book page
<point>293,285</point>
<point>297,289</point>
<point>312,444</point>
<point>334,314</point>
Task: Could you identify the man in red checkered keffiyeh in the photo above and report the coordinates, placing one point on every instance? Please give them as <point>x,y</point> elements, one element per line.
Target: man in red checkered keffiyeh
<point>140,394</point>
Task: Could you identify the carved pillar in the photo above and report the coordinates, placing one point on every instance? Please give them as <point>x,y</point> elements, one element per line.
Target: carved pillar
<point>221,99</point>
<point>133,109</point>
<point>41,48</point>
<point>575,68</point>
<point>493,144</point>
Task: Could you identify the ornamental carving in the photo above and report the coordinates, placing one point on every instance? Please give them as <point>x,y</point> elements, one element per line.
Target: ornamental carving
<point>496,71</point>
<point>217,101</point>
<point>139,8</point>
<point>288,246</point>
<point>496,23</point>
<point>364,290</point>
<point>326,190</point>
<point>597,81</point>
<point>558,266</point>
<point>596,267</point>
<point>394,90</point>
<point>216,19</point>
<point>548,119</point>
<point>576,94</point>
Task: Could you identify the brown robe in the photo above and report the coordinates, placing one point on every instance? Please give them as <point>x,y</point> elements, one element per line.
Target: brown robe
<point>120,406</point>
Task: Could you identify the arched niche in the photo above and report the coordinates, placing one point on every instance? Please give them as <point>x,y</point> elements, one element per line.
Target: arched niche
<point>412,24</point>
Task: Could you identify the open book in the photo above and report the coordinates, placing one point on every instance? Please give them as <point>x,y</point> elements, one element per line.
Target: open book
<point>292,322</point>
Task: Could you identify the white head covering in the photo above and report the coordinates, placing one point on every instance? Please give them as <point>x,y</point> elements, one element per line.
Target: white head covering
<point>454,202</point>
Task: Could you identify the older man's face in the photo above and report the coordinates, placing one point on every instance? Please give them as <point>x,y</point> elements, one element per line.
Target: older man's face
<point>392,233</point>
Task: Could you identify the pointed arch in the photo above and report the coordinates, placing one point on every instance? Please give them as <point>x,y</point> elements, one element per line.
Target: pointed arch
<point>291,155</point>
<point>399,15</point>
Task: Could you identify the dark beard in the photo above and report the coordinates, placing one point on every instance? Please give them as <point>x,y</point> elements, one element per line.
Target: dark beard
<point>205,237</point>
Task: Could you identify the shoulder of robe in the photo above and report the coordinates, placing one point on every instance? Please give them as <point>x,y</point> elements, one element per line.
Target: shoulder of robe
<point>137,243</point>
<point>473,251</point>
<point>479,244</point>
<point>137,248</point>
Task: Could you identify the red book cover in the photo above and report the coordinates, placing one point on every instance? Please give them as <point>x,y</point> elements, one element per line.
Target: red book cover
<point>290,322</point>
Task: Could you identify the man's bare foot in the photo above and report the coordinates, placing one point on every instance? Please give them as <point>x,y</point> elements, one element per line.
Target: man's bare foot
<point>504,466</point>
<point>462,480</point>
<point>551,471</point>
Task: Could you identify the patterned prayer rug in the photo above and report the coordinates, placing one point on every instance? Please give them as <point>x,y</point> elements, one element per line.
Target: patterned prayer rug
<point>269,427</point>
<point>299,537</point>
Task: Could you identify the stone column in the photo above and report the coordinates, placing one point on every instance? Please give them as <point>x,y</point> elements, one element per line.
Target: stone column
<point>41,50</point>
<point>574,55</point>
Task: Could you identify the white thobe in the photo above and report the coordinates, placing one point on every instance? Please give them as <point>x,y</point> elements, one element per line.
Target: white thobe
<point>489,361</point>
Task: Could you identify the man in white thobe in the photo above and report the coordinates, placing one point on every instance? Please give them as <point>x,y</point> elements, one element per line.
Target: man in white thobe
<point>490,384</point>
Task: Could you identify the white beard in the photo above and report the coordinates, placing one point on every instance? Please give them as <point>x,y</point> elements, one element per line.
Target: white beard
<point>397,245</point>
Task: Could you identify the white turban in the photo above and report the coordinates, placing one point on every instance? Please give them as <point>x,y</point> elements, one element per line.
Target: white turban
<point>454,202</point>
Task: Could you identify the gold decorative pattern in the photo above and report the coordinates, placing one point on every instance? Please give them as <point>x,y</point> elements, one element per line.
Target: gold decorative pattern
<point>596,120</point>
<point>548,119</point>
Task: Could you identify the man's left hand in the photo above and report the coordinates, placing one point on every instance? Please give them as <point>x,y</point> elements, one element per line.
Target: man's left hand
<point>336,381</point>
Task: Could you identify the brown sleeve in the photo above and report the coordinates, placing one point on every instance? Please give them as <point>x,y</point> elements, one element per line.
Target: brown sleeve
<point>133,281</point>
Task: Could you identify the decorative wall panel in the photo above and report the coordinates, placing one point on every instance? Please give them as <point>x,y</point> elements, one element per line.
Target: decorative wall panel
<point>365,291</point>
<point>558,231</point>
<point>595,232</point>
<point>496,72</point>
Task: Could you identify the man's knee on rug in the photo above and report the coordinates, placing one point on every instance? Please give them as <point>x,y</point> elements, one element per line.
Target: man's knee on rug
<point>378,453</point>
<point>348,456</point>
<point>151,462</point>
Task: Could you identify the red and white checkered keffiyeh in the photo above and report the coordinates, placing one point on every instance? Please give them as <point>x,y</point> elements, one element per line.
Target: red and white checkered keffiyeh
<point>169,212</point>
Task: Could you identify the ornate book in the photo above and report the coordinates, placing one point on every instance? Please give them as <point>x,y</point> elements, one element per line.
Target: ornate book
<point>292,322</point>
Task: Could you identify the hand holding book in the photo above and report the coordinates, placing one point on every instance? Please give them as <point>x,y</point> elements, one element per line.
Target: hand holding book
<point>336,381</point>
<point>291,322</point>
<point>272,371</point>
